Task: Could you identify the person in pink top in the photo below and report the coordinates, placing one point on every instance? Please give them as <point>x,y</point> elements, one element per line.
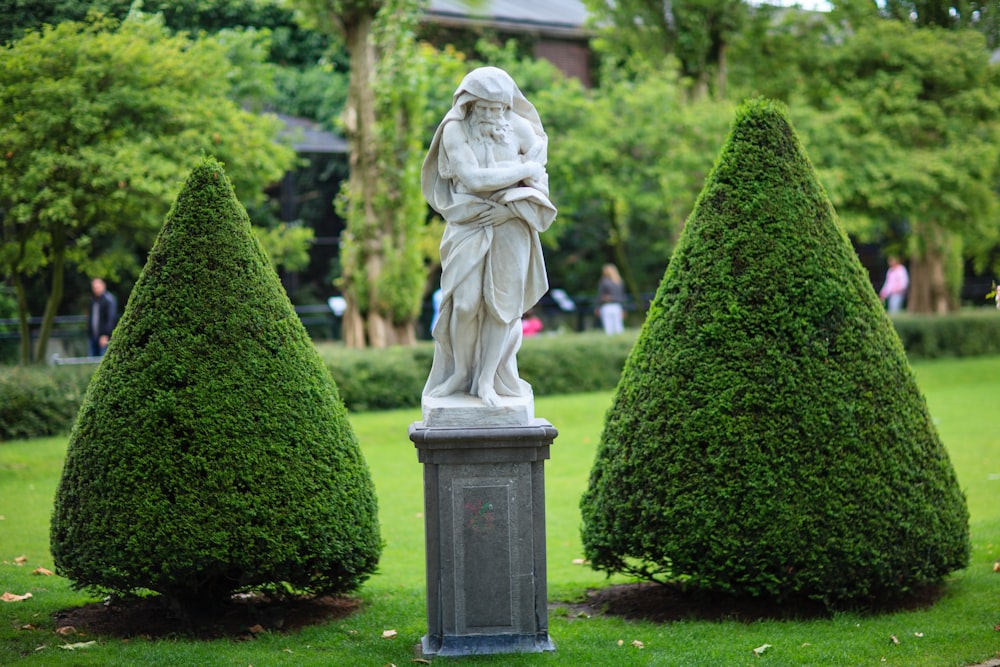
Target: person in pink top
<point>531,324</point>
<point>897,281</point>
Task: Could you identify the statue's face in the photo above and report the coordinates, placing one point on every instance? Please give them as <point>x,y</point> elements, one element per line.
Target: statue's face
<point>484,111</point>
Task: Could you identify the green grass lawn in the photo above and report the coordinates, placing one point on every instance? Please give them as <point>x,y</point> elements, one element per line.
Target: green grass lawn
<point>959,630</point>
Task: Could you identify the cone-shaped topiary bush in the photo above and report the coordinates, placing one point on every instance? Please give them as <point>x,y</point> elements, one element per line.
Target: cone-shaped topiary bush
<point>212,452</point>
<point>767,436</point>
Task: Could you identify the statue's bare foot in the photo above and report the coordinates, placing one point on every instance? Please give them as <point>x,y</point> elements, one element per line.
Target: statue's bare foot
<point>450,386</point>
<point>488,396</point>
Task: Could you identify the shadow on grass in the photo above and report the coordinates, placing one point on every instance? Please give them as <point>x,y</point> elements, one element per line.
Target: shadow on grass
<point>244,616</point>
<point>665,603</point>
<point>241,618</point>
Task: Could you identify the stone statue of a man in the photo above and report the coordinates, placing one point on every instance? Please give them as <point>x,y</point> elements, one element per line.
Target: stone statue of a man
<point>485,174</point>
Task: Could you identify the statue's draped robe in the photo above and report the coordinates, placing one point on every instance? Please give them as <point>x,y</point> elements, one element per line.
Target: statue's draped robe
<point>507,256</point>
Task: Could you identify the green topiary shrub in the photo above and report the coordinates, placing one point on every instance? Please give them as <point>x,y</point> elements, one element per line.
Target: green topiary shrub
<point>767,436</point>
<point>212,452</point>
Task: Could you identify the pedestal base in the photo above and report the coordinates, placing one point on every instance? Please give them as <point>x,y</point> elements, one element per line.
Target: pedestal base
<point>484,507</point>
<point>465,411</point>
<point>450,646</point>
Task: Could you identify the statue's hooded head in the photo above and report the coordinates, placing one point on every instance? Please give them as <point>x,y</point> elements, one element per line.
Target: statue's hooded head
<point>492,84</point>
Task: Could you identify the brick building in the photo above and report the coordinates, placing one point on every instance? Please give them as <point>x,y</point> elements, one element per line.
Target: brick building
<point>555,30</point>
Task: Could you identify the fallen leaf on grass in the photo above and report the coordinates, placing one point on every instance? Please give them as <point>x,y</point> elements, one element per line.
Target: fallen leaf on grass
<point>580,561</point>
<point>389,634</point>
<point>759,651</point>
<point>257,629</point>
<point>894,639</point>
<point>918,634</point>
<point>638,644</point>
<point>66,630</point>
<point>621,642</point>
<point>996,566</point>
<point>42,571</point>
<point>11,597</point>
<point>73,647</point>
<point>20,560</point>
<point>28,626</point>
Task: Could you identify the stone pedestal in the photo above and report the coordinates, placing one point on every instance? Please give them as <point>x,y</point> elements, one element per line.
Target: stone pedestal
<point>484,507</point>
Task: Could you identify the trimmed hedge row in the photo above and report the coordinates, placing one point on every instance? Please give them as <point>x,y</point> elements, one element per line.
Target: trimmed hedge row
<point>36,402</point>
<point>970,333</point>
<point>39,401</point>
<point>395,378</point>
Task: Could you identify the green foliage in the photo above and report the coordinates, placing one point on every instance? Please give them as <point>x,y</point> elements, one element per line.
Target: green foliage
<point>287,244</point>
<point>958,629</point>
<point>570,364</point>
<point>36,402</point>
<point>96,121</point>
<point>904,126</point>
<point>624,189</point>
<point>212,452</point>
<point>693,32</point>
<point>395,377</point>
<point>767,437</point>
<point>390,378</point>
<point>318,92</point>
<point>401,83</point>
<point>981,15</point>
<point>292,45</point>
<point>776,51</point>
<point>971,333</point>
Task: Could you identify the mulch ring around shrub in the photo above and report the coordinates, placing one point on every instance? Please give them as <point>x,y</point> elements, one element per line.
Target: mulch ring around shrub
<point>665,603</point>
<point>243,617</point>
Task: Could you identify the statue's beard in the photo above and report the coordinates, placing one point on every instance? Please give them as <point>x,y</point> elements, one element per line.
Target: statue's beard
<point>487,131</point>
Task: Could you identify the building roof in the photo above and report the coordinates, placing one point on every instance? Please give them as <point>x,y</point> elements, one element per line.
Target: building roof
<point>309,136</point>
<point>556,18</point>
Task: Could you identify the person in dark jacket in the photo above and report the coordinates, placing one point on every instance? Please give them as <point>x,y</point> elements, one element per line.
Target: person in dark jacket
<point>103,317</point>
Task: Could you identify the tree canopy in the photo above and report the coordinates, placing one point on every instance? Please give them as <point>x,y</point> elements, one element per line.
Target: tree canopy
<point>97,120</point>
<point>906,132</point>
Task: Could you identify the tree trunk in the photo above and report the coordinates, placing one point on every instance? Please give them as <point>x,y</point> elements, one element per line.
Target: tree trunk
<point>353,325</point>
<point>404,334</point>
<point>55,291</point>
<point>723,74</point>
<point>929,291</point>
<point>360,126</point>
<point>928,288</point>
<point>23,317</point>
